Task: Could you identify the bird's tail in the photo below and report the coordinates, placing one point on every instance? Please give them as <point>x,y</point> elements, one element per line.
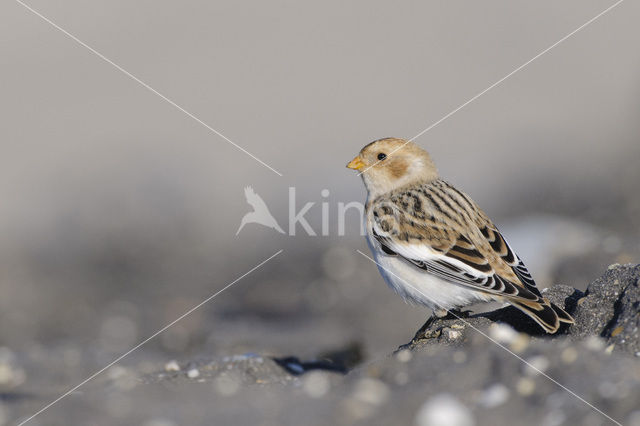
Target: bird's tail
<point>277,227</point>
<point>242,223</point>
<point>545,313</point>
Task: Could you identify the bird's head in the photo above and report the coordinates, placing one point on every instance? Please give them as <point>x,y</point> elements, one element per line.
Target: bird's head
<point>390,163</point>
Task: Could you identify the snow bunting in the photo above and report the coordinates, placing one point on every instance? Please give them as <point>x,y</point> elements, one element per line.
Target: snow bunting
<point>434,246</point>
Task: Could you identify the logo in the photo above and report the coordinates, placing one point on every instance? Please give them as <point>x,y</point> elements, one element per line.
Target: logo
<point>262,216</point>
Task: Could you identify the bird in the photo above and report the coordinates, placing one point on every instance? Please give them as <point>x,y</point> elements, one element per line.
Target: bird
<point>433,244</point>
<point>260,213</point>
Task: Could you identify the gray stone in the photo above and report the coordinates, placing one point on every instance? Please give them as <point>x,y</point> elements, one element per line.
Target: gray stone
<point>611,308</point>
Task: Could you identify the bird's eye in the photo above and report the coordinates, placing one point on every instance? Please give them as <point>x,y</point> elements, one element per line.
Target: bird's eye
<point>382,156</point>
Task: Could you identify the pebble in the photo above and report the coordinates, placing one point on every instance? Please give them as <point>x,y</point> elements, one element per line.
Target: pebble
<point>371,391</point>
<point>595,343</point>
<point>617,331</point>
<point>502,333</point>
<point>520,344</point>
<point>356,411</point>
<point>569,355</point>
<point>505,334</point>
<point>316,384</point>
<point>367,396</point>
<point>494,396</point>
<point>193,373</point>
<point>116,372</point>
<point>295,367</point>
<point>536,365</point>
<point>172,366</point>
<point>444,410</point>
<point>122,378</point>
<point>11,375</point>
<point>451,334</point>
<point>404,355</point>
<point>525,386</point>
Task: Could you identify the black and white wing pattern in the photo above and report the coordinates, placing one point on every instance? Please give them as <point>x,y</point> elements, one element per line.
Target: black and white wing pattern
<point>445,251</point>
<point>441,231</point>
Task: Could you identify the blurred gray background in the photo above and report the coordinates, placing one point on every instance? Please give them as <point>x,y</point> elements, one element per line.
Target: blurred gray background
<point>119,212</point>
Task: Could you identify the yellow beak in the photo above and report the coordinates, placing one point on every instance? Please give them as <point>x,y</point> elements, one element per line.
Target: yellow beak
<point>356,164</point>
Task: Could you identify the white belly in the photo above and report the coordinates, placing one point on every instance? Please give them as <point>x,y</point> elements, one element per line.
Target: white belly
<point>419,287</point>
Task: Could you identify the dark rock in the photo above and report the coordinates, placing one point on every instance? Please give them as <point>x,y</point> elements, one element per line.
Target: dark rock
<point>247,369</point>
<point>622,330</point>
<point>610,308</point>
<point>440,330</point>
<point>338,360</point>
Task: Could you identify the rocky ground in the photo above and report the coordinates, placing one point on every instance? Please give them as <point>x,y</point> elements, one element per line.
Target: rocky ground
<point>489,368</point>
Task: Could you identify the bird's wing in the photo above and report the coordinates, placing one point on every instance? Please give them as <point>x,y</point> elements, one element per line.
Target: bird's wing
<point>500,246</point>
<point>254,199</point>
<point>452,253</point>
<point>249,194</point>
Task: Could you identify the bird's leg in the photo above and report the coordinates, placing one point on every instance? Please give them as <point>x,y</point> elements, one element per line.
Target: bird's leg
<point>425,326</point>
<point>420,334</point>
<point>439,314</point>
<point>457,314</point>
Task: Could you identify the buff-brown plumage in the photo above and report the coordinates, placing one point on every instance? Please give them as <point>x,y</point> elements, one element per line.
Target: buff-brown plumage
<point>418,221</point>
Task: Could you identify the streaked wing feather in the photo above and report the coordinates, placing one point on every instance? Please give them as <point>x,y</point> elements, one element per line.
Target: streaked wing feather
<point>441,231</point>
<point>462,264</point>
<point>502,247</point>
